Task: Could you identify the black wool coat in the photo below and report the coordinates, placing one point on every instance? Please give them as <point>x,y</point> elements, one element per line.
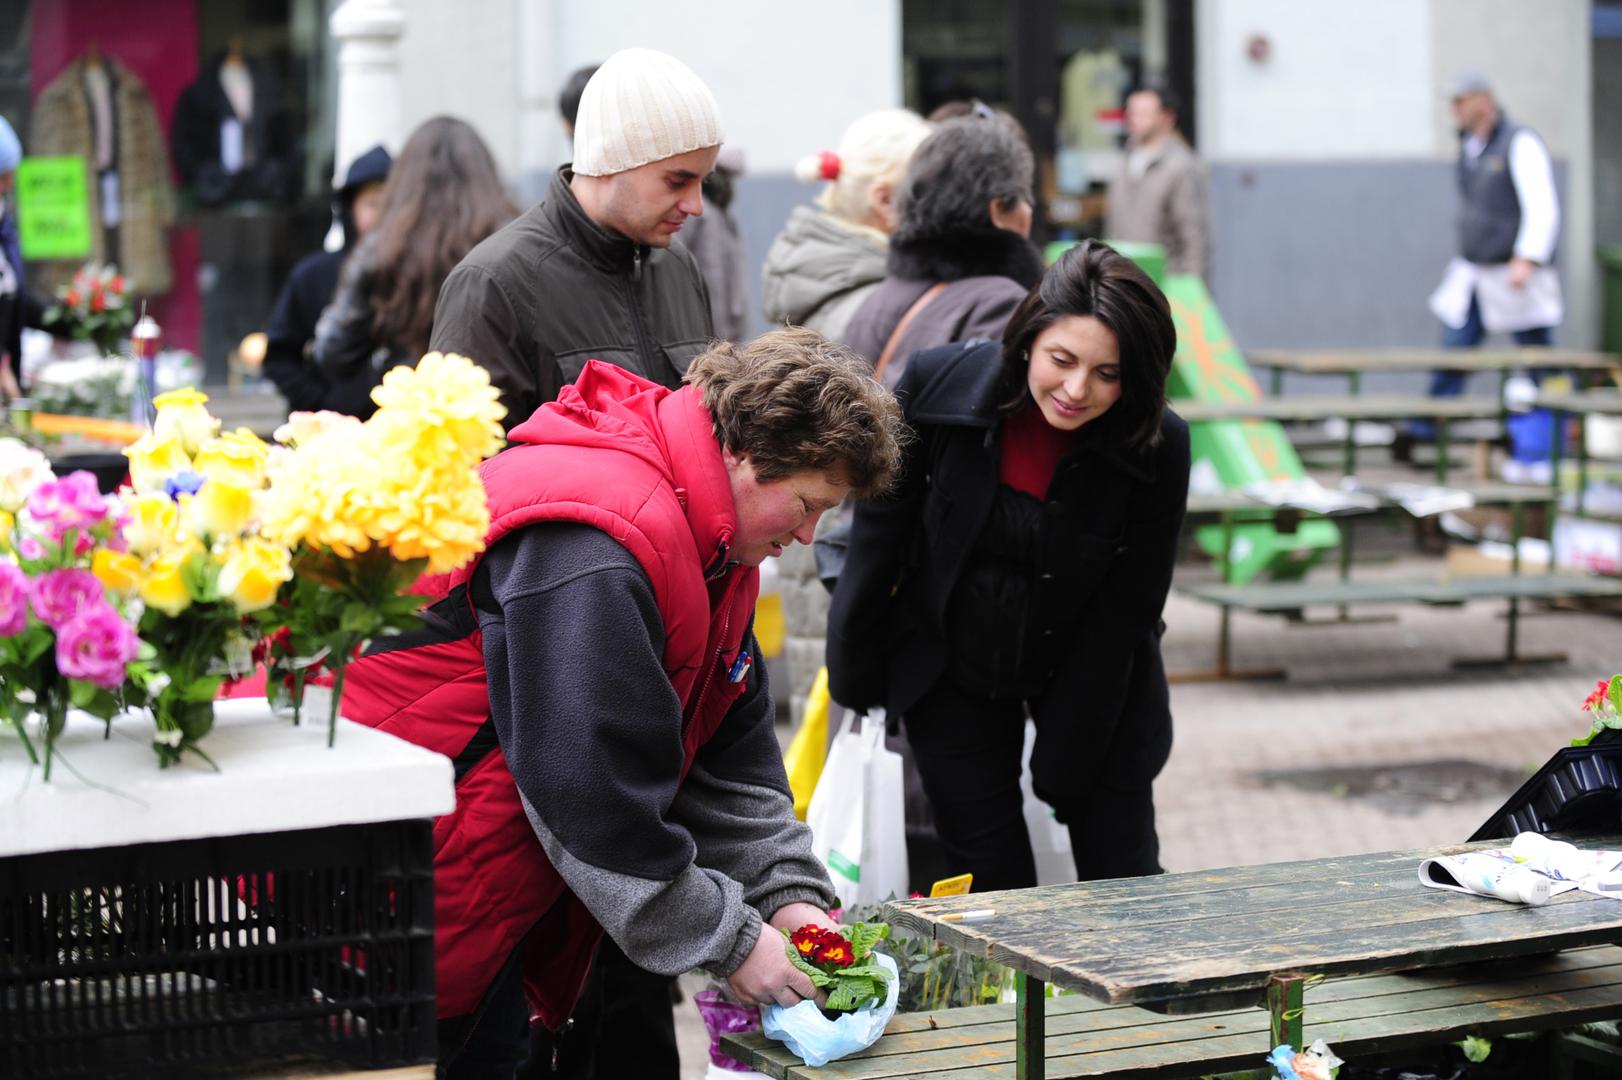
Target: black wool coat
<point>1104,716</point>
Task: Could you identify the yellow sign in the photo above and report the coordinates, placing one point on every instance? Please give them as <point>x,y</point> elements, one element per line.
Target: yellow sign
<point>952,886</point>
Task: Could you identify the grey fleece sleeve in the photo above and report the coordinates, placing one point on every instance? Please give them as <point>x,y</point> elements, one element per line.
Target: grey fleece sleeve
<point>737,805</point>
<point>591,729</point>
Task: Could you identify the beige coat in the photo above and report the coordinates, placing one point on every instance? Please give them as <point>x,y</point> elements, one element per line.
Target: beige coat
<point>62,126</point>
<point>1167,205</point>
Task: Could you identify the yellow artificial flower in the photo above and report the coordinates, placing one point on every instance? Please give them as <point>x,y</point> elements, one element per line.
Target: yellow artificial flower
<point>252,573</point>
<point>7,522</point>
<point>301,427</point>
<point>154,458</point>
<point>152,522</point>
<point>220,508</point>
<point>237,456</point>
<point>162,586</point>
<point>444,406</point>
<point>118,570</point>
<point>183,415</point>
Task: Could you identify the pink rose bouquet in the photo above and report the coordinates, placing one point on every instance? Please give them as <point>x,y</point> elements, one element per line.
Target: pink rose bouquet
<point>65,636</point>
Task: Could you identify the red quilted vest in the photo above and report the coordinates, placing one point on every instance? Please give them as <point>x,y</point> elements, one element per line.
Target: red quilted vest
<point>641,463</point>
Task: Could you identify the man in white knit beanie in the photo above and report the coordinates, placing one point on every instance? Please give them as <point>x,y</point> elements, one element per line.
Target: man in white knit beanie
<point>590,272</point>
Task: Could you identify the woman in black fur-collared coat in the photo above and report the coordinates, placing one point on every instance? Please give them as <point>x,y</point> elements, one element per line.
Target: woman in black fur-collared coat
<point>960,261</point>
<point>1023,565</point>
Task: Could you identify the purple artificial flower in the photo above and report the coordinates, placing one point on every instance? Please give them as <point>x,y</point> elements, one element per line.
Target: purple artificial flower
<point>182,483</point>
<point>13,600</point>
<point>96,645</point>
<point>59,595</point>
<point>73,502</point>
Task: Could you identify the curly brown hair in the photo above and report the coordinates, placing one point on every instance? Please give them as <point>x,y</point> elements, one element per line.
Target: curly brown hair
<point>791,400</point>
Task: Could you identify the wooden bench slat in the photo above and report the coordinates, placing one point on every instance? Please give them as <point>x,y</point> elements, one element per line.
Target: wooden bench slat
<point>1358,1016</point>
<point>1284,596</point>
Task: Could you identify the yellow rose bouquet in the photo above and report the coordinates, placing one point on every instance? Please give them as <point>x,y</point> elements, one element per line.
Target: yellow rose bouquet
<point>198,561</point>
<point>368,508</point>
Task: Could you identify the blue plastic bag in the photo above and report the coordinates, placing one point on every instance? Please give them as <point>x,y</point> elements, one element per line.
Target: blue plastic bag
<point>818,1040</point>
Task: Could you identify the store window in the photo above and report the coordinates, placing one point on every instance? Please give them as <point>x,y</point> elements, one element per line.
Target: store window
<point>206,164</point>
<point>1063,68</point>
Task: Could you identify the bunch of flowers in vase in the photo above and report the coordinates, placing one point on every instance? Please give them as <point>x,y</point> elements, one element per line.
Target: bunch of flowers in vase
<point>66,636</point>
<point>367,508</point>
<point>93,307</point>
<point>199,563</point>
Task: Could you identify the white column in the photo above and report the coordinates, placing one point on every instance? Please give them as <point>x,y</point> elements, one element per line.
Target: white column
<point>368,33</point>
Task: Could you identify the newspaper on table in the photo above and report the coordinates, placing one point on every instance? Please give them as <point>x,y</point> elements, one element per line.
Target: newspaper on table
<point>1532,870</point>
<point>1309,495</point>
<point>1425,500</point>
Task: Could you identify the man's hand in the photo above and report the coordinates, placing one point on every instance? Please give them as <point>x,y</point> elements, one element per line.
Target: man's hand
<point>1520,272</point>
<point>767,976</point>
<point>8,381</point>
<point>791,917</point>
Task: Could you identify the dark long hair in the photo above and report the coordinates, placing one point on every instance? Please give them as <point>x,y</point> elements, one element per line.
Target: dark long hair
<point>1095,279</point>
<point>443,196</point>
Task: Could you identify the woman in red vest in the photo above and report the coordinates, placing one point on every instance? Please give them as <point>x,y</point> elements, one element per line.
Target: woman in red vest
<point>596,682</point>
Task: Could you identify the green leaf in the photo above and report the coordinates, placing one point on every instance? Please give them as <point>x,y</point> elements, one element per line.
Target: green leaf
<point>863,936</point>
<point>1475,1049</point>
<point>1615,693</point>
<point>80,692</point>
<point>819,978</point>
<point>849,993</point>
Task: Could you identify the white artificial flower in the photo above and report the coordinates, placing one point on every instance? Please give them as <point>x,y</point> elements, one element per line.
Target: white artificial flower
<point>22,469</point>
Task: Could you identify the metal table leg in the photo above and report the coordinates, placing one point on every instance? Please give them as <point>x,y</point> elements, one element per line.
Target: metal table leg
<point>1285,1006</point>
<point>1030,1021</point>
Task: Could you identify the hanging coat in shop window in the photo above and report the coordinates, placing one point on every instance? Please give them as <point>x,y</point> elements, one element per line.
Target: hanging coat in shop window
<point>224,156</point>
<point>64,123</point>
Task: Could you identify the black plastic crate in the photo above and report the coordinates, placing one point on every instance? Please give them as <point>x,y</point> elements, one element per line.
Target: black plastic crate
<point>1577,792</point>
<point>197,955</point>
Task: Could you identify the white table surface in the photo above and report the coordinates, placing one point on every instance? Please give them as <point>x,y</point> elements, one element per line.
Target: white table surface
<point>272,777</point>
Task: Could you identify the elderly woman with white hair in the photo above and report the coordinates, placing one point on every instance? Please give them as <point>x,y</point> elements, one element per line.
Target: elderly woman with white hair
<point>831,256</point>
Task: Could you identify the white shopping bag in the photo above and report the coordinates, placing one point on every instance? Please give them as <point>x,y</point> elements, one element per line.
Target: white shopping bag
<point>856,815</point>
<point>1050,841</point>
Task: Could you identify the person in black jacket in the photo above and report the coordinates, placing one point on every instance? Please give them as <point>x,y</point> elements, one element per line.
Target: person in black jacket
<point>309,288</point>
<point>444,196</point>
<point>1023,565</point>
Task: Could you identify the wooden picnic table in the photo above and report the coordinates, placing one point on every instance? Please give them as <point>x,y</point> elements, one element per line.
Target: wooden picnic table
<point>1354,363</point>
<point>1582,405</point>
<point>1215,939</point>
<point>1311,408</point>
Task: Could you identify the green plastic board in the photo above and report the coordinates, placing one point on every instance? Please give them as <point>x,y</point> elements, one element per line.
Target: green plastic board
<point>53,208</point>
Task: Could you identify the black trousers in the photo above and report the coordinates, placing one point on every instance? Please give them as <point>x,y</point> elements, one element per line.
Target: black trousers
<point>623,1026</point>
<point>968,751</point>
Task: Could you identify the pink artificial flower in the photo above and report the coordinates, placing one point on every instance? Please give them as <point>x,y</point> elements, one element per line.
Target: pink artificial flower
<point>59,595</point>
<point>13,600</point>
<point>73,502</point>
<point>96,645</point>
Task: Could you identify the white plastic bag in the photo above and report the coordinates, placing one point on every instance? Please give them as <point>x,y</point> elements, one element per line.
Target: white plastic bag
<point>819,1040</point>
<point>1050,841</point>
<point>857,816</point>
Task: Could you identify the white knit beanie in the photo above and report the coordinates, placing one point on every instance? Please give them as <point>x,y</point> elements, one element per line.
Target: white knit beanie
<point>642,106</point>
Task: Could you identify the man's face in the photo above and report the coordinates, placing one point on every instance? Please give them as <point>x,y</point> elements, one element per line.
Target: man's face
<point>772,514</point>
<point>1146,118</point>
<point>648,204</point>
<point>1471,111</point>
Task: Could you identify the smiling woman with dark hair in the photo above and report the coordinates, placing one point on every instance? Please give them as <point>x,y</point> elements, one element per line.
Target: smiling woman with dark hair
<point>1022,565</point>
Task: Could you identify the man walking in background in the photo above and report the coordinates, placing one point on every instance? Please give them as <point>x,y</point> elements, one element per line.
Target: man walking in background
<point>589,273</point>
<point>1159,196</point>
<point>1503,280</point>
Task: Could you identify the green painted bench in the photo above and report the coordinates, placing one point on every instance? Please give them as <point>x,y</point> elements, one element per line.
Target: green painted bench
<point>1362,1018</point>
